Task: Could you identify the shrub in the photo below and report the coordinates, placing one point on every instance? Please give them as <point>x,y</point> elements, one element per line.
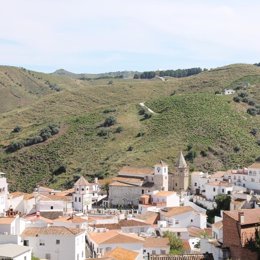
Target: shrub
<point>109,121</point>
<point>236,99</point>
<point>17,129</point>
<point>61,169</point>
<point>252,111</point>
<point>15,146</point>
<point>243,94</point>
<point>109,110</point>
<point>119,129</point>
<point>141,111</point>
<point>251,102</point>
<point>103,132</point>
<point>147,115</point>
<point>254,131</point>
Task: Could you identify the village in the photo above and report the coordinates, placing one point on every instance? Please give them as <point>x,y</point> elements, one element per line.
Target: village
<point>142,214</point>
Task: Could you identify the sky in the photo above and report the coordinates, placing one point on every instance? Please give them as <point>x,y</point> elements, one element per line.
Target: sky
<point>116,35</point>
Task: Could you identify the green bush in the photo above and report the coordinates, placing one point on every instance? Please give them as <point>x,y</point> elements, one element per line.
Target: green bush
<point>109,121</point>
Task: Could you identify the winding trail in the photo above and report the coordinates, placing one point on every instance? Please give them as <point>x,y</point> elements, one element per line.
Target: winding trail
<point>150,110</point>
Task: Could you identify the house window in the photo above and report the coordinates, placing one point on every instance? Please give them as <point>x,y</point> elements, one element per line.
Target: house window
<point>51,207</point>
<point>153,252</point>
<point>57,241</point>
<point>77,189</point>
<point>79,199</point>
<point>176,222</point>
<point>191,220</point>
<point>26,242</point>
<point>243,185</point>
<point>163,252</point>
<point>144,251</point>
<point>223,190</point>
<point>142,191</point>
<point>195,184</point>
<point>42,243</point>
<point>178,234</point>
<point>75,199</point>
<point>25,258</point>
<point>252,180</point>
<point>176,184</point>
<point>165,170</point>
<point>229,192</point>
<point>214,189</point>
<point>82,189</point>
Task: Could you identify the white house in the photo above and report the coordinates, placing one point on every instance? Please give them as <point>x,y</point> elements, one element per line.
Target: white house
<point>102,242</point>
<point>15,252</point>
<point>53,203</point>
<point>253,180</point>
<point>24,203</point>
<point>229,91</point>
<point>85,194</point>
<point>156,200</point>
<point>156,246</point>
<point>212,189</point>
<point>36,220</point>
<point>56,242</point>
<point>10,229</point>
<point>3,194</point>
<point>183,217</point>
<point>71,222</point>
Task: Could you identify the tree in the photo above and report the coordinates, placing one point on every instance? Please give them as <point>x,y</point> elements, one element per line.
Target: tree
<point>254,242</point>
<point>176,245</point>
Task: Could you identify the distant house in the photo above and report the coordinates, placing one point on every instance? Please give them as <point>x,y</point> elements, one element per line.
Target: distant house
<point>183,217</point>
<point>15,252</point>
<point>239,227</point>
<point>56,242</point>
<point>229,91</point>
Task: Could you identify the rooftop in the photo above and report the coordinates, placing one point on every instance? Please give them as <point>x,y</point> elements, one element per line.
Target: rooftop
<point>13,250</point>
<point>122,254</point>
<point>181,163</point>
<point>255,165</point>
<point>122,223</point>
<point>164,193</point>
<point>251,216</point>
<point>149,217</point>
<point>82,182</point>
<point>115,237</point>
<point>6,220</point>
<point>152,242</point>
<point>176,211</point>
<point>70,219</point>
<point>52,230</point>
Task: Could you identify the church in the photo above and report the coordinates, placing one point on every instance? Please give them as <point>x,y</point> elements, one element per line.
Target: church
<point>132,182</point>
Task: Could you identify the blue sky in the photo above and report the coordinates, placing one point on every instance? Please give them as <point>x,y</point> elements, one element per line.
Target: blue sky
<point>111,35</point>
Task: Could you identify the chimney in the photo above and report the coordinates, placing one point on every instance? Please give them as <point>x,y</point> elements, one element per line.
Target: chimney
<point>37,214</point>
<point>96,180</point>
<point>241,217</point>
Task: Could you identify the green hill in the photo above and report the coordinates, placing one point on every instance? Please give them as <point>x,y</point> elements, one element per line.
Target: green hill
<point>213,131</point>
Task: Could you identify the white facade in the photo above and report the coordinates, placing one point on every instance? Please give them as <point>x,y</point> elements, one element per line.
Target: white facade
<point>54,246</point>
<point>3,193</point>
<point>23,203</point>
<point>213,189</point>
<point>109,240</point>
<point>166,199</point>
<point>229,91</point>
<point>187,219</point>
<point>85,194</point>
<point>15,252</point>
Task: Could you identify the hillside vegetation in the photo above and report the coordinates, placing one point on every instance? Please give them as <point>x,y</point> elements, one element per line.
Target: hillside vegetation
<point>213,131</point>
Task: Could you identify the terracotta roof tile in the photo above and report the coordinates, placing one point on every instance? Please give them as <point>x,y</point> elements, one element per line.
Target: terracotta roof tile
<point>122,254</point>
<point>149,217</point>
<point>6,220</point>
<point>173,211</point>
<point>255,165</point>
<point>156,242</point>
<point>164,193</point>
<point>52,230</point>
<point>251,216</point>
<point>74,219</point>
